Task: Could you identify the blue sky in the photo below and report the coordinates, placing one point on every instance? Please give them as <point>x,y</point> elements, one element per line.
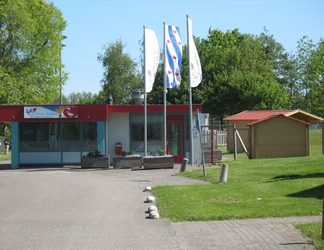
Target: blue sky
<point>93,24</point>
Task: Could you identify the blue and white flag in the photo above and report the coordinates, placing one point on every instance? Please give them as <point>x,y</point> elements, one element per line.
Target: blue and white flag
<point>173,56</point>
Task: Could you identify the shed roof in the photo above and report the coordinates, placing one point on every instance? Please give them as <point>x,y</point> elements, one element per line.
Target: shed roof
<point>255,115</point>
<point>274,116</point>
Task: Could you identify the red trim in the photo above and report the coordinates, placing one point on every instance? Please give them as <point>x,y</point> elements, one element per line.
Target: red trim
<point>151,108</point>
<point>94,112</point>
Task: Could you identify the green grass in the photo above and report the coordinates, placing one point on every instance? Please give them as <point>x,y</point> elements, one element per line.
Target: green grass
<point>314,232</point>
<point>4,157</point>
<point>254,189</point>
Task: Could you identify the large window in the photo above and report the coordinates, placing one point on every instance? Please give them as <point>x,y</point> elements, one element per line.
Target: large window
<point>89,136</point>
<point>39,136</point>
<point>57,136</point>
<point>154,133</point>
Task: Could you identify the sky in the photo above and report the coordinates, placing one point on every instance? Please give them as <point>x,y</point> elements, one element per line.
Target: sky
<point>96,23</point>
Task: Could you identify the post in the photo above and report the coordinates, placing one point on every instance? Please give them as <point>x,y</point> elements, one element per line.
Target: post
<point>323,221</point>
<point>184,165</point>
<point>62,45</point>
<point>223,176</point>
<point>212,141</point>
<point>234,141</point>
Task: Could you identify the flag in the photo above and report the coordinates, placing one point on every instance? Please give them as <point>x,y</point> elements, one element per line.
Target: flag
<point>194,61</point>
<point>151,58</point>
<point>173,56</point>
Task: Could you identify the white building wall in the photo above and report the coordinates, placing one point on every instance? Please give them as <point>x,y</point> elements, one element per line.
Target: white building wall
<point>118,131</point>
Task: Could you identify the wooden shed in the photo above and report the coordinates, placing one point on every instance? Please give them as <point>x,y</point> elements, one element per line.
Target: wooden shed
<point>244,119</point>
<point>278,136</point>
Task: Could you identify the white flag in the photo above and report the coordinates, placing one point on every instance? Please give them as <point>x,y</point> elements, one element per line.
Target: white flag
<point>151,58</point>
<point>194,61</point>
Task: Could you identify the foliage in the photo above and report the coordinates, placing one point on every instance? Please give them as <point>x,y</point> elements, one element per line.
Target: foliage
<point>82,98</point>
<point>120,78</point>
<point>237,75</point>
<point>30,52</point>
<point>283,183</point>
<point>125,153</point>
<point>157,152</point>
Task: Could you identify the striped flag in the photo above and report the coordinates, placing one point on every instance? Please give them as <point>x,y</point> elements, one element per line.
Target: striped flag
<point>151,58</point>
<point>173,56</point>
<point>194,61</point>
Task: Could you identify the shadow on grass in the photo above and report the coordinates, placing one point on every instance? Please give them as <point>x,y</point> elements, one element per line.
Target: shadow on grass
<point>316,192</point>
<point>296,176</point>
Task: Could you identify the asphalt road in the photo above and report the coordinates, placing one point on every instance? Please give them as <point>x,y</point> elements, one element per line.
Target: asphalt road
<point>70,208</point>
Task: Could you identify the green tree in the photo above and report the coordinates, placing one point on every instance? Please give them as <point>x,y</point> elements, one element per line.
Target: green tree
<point>310,70</point>
<point>121,77</point>
<point>315,78</point>
<point>237,75</point>
<point>82,98</point>
<point>30,49</point>
<point>284,65</point>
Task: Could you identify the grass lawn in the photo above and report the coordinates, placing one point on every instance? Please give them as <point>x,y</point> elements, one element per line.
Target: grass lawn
<point>4,157</point>
<point>260,188</point>
<point>314,232</point>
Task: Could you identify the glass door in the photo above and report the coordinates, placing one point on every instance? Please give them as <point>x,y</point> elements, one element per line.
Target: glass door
<point>175,138</point>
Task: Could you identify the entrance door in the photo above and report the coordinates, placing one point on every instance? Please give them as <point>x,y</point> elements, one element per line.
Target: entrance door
<point>175,137</point>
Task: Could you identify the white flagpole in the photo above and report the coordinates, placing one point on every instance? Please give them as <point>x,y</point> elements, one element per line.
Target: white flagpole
<point>164,93</point>
<point>190,101</point>
<point>145,108</point>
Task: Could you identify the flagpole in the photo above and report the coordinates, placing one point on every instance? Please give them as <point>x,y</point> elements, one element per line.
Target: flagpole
<point>145,107</point>
<point>164,93</point>
<point>190,101</point>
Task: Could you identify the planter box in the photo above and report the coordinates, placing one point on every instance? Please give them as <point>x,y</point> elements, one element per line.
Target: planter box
<point>217,156</point>
<point>95,162</point>
<point>158,162</point>
<point>127,161</point>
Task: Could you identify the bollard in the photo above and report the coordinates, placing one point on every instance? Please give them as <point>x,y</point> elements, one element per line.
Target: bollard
<point>184,165</point>
<point>223,176</point>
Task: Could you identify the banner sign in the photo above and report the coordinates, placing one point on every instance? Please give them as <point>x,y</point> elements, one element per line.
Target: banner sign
<point>40,112</point>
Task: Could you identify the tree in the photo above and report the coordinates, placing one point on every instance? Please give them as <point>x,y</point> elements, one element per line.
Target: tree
<point>311,69</point>
<point>237,75</point>
<point>30,48</point>
<point>82,98</point>
<point>284,65</point>
<point>121,77</point>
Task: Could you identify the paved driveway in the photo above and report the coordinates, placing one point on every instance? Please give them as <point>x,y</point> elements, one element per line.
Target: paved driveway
<point>67,208</point>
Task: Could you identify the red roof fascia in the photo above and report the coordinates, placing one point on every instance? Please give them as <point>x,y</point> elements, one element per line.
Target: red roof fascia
<point>152,108</point>
<point>256,115</point>
<point>92,112</point>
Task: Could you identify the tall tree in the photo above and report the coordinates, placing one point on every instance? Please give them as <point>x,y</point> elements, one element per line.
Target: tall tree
<point>311,69</point>
<point>30,51</point>
<point>284,65</point>
<point>237,75</point>
<point>82,98</point>
<point>121,77</point>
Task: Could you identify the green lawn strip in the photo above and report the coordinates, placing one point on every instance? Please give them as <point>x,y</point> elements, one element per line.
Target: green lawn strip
<point>4,157</point>
<point>254,189</point>
<point>314,232</point>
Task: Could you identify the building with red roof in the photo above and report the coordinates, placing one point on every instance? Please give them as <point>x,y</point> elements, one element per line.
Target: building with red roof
<point>271,133</point>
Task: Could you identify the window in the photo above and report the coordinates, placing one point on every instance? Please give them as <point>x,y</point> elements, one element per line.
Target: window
<point>39,136</point>
<point>71,139</point>
<point>57,136</point>
<point>89,136</point>
<point>155,133</point>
